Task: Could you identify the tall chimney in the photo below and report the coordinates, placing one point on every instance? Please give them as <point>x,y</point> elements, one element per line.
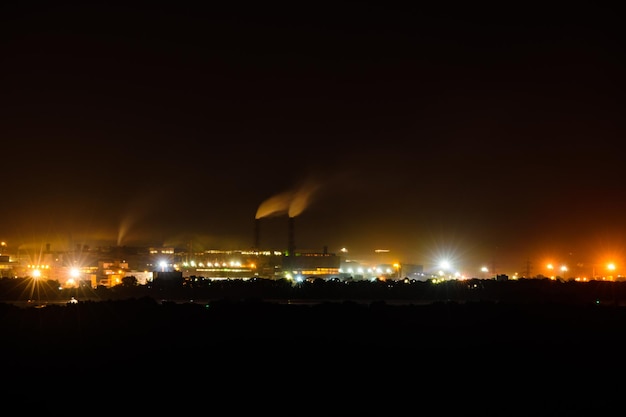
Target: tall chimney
<point>257,226</point>
<point>291,245</point>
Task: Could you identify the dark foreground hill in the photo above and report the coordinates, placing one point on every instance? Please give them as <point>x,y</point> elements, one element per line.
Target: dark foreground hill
<point>330,346</point>
<point>122,329</point>
<point>334,357</point>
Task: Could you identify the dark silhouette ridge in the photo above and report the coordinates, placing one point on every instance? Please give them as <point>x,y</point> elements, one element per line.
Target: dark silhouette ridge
<point>334,350</point>
<point>518,291</point>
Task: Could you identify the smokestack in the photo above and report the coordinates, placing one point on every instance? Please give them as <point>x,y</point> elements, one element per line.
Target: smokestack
<point>291,245</point>
<point>257,226</point>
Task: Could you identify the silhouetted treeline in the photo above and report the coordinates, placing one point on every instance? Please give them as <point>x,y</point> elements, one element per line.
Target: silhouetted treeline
<point>521,290</point>
<point>331,357</point>
<point>96,327</point>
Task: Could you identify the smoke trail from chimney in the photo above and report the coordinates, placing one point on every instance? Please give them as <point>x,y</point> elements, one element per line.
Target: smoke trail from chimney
<point>302,199</point>
<point>292,203</point>
<point>278,204</point>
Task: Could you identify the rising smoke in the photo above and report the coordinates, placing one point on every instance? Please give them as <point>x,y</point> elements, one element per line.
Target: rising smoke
<point>275,205</point>
<point>292,203</point>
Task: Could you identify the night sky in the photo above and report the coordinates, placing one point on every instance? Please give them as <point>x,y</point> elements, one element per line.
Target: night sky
<point>492,136</point>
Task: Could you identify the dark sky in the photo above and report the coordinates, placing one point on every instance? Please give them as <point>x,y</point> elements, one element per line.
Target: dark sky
<point>492,135</point>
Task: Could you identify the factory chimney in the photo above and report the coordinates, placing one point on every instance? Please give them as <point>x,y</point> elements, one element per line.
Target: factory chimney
<point>291,244</point>
<point>257,227</point>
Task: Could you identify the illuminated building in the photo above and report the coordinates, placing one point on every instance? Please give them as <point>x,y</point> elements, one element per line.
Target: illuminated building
<point>306,265</point>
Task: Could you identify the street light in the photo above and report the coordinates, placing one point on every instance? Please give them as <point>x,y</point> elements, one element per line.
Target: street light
<point>36,276</point>
<point>485,271</point>
<point>397,266</point>
<point>609,267</point>
<point>74,277</point>
<point>551,267</point>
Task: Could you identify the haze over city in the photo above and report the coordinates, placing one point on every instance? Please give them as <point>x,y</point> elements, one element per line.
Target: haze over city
<point>484,135</point>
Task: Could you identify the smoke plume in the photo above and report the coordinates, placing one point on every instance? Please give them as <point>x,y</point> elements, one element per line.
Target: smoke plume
<point>278,204</point>
<point>301,199</point>
<point>292,203</point>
